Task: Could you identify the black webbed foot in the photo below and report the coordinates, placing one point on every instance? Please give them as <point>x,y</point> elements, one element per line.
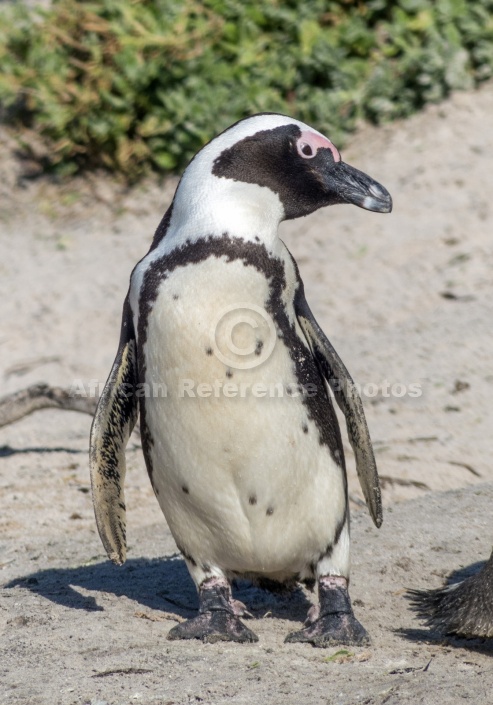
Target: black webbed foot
<point>335,622</point>
<point>217,619</point>
<point>214,626</point>
<point>330,630</point>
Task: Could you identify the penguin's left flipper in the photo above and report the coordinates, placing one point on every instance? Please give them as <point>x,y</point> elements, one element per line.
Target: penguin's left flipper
<point>113,423</point>
<point>349,401</point>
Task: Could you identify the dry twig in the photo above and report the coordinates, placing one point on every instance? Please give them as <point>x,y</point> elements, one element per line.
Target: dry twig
<point>42,396</point>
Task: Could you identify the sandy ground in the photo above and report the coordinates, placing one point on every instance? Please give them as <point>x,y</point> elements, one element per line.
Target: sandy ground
<point>406,299</point>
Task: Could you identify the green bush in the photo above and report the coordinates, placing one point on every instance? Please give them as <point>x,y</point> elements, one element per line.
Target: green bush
<point>137,85</point>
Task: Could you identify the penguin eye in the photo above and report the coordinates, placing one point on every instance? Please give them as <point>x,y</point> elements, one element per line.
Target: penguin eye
<point>305,150</point>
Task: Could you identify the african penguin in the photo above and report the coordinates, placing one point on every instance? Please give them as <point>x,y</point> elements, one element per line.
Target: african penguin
<point>230,371</point>
<point>464,608</point>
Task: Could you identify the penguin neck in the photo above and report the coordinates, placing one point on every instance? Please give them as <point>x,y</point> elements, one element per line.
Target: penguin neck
<point>222,206</point>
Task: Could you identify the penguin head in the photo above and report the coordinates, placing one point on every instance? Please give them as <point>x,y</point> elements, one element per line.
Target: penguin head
<point>297,163</point>
<point>262,170</point>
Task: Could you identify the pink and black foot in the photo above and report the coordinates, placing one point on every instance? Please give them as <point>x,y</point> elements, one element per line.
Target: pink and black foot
<point>333,622</point>
<point>218,617</point>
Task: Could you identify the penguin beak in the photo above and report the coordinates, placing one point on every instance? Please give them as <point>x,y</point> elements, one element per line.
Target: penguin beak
<point>353,186</point>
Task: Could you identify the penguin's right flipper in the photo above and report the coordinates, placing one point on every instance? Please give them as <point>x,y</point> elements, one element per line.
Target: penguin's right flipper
<point>113,423</point>
<point>349,401</point>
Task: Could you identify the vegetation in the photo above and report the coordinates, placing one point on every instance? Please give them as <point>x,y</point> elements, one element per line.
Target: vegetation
<point>134,85</point>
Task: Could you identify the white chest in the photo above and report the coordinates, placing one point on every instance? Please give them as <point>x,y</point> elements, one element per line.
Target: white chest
<point>236,463</point>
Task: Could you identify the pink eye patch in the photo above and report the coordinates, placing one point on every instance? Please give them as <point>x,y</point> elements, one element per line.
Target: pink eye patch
<point>309,143</point>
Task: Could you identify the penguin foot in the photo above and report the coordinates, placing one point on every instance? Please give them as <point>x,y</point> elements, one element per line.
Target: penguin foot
<point>211,627</point>
<point>334,622</point>
<point>218,617</point>
<point>330,630</point>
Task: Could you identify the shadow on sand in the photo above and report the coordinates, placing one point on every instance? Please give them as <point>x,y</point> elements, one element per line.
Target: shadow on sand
<point>157,583</point>
<point>7,451</point>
